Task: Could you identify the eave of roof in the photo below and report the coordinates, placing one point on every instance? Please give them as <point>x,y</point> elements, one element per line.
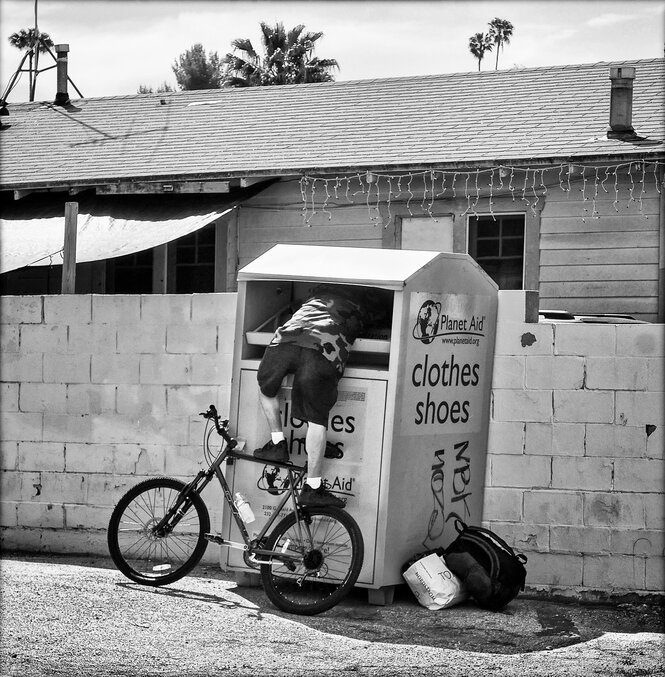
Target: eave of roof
<point>545,116</point>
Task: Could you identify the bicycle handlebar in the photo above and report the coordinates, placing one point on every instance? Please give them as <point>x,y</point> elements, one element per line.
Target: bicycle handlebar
<point>220,425</point>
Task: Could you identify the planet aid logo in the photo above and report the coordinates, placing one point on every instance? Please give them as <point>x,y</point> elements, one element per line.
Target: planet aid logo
<point>430,324</point>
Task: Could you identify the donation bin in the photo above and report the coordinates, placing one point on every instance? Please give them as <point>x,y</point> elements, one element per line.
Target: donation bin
<point>412,414</point>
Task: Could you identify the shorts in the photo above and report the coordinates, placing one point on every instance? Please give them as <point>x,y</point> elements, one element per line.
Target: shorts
<point>314,380</point>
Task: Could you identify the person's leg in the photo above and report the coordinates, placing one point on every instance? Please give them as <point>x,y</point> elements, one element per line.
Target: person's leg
<point>315,441</point>
<point>270,406</point>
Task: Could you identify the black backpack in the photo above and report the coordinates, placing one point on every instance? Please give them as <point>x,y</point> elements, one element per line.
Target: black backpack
<point>492,572</point>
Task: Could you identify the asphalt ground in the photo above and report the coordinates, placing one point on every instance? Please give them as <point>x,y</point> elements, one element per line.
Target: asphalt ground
<point>78,616</point>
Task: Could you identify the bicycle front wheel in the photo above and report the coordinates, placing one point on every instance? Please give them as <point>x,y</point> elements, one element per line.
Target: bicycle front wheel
<point>329,549</point>
<point>141,554</point>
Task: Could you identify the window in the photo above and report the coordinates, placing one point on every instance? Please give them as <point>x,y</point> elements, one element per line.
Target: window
<point>195,262</point>
<point>131,274</point>
<point>497,244</point>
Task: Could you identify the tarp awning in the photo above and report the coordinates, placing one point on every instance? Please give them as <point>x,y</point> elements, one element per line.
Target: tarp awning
<point>32,234</point>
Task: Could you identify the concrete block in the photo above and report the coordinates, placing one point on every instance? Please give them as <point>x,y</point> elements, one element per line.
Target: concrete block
<point>558,373</point>
<point>9,396</point>
<point>142,400</point>
<point>615,441</point>
<point>70,309</point>
<point>166,308</point>
<point>505,437</point>
<point>655,574</point>
<point>584,339</point>
<point>553,508</point>
<point>583,406</point>
<point>9,338</point>
<point>616,373</point>
<point>620,510</point>
<point>86,516</point>
<point>554,439</point>
<point>8,514</point>
<point>211,369</point>
<point>519,338</point>
<point>18,425</point>
<point>21,310</point>
<point>63,487</point>
<point>656,373</point>
<point>655,511</point>
<point>9,455</point>
<point>577,539</point>
<point>190,400</point>
<point>525,538</point>
<point>517,305</point>
<point>169,430</point>
<point>116,309</point>
<point>43,515</point>
<point>588,474</point>
<point>114,429</point>
<point>126,458</point>
<point>109,489</point>
<point>115,368</point>
<point>640,408</point>
<point>92,338</point>
<point>20,368</point>
<point>50,397</point>
<point>89,458</point>
<point>185,462</point>
<point>638,542</point>
<point>43,338</point>
<point>41,456</point>
<point>82,541</point>
<point>520,471</point>
<point>66,368</point>
<point>646,340</point>
<point>165,369</point>
<point>508,372</point>
<point>614,572</point>
<point>91,398</point>
<point>218,309</point>
<point>145,337</point>
<point>65,428</point>
<point>639,475</point>
<point>559,570</point>
<point>655,441</point>
<point>27,486</point>
<point>520,405</point>
<point>191,338</point>
<point>10,485</point>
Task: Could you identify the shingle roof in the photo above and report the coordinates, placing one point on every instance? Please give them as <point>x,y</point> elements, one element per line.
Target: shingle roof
<point>427,121</point>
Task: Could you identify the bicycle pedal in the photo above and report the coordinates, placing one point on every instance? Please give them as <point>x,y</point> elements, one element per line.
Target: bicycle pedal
<point>214,538</point>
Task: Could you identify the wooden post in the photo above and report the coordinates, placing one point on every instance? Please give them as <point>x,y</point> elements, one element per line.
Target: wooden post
<point>69,249</point>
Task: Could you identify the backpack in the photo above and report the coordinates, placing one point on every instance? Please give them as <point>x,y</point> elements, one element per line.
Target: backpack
<point>492,572</point>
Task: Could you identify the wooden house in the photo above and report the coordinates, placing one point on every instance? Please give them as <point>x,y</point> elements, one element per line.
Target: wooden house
<point>551,178</point>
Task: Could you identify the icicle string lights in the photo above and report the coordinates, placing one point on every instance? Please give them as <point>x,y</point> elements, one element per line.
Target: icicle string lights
<point>319,195</point>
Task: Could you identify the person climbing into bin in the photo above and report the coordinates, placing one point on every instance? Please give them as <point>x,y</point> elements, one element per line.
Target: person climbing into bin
<point>314,346</point>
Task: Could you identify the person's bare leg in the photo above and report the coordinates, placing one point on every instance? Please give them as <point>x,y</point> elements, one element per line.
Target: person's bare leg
<point>270,406</point>
<point>315,441</point>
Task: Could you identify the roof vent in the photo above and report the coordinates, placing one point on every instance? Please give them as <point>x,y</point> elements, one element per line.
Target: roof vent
<point>621,103</point>
<point>61,96</point>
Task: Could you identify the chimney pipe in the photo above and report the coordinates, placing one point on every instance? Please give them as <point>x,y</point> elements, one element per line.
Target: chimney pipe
<point>621,102</point>
<point>61,96</point>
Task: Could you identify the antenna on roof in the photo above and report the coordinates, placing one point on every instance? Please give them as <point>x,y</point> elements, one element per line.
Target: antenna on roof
<point>33,42</point>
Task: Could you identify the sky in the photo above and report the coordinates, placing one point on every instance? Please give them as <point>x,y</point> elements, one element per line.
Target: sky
<point>118,45</point>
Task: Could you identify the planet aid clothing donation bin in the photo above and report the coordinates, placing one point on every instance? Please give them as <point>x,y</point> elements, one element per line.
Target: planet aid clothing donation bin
<point>412,414</point>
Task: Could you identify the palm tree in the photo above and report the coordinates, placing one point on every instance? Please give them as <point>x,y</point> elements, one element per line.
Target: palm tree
<point>288,58</point>
<point>500,33</point>
<point>478,45</point>
<point>27,40</point>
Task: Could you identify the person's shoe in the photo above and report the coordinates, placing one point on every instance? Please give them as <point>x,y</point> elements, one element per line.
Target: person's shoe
<point>273,452</point>
<point>320,497</point>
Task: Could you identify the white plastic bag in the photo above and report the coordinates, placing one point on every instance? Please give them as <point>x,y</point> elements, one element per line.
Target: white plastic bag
<point>434,584</point>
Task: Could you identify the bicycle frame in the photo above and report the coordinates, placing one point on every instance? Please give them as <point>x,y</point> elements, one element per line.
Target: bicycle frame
<point>204,477</point>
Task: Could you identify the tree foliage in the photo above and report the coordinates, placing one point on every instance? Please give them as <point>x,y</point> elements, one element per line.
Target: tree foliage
<point>479,44</point>
<point>194,69</point>
<point>287,58</point>
<point>161,89</point>
<point>34,42</point>
<point>500,32</point>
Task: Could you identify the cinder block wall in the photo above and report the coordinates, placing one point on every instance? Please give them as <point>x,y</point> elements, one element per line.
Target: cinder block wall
<point>99,392</point>
<point>575,475</point>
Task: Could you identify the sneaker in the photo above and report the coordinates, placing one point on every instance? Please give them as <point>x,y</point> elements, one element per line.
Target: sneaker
<point>273,452</point>
<point>319,497</point>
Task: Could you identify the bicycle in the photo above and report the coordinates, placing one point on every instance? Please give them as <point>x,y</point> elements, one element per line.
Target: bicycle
<point>309,561</point>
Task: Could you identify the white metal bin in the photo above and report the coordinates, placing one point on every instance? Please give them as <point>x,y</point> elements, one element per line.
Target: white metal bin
<point>413,408</point>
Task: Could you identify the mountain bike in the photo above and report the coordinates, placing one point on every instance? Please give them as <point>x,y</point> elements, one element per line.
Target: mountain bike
<point>309,560</point>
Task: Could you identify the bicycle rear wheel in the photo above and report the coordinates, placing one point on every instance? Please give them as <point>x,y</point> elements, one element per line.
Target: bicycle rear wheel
<point>142,555</point>
<point>330,552</point>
